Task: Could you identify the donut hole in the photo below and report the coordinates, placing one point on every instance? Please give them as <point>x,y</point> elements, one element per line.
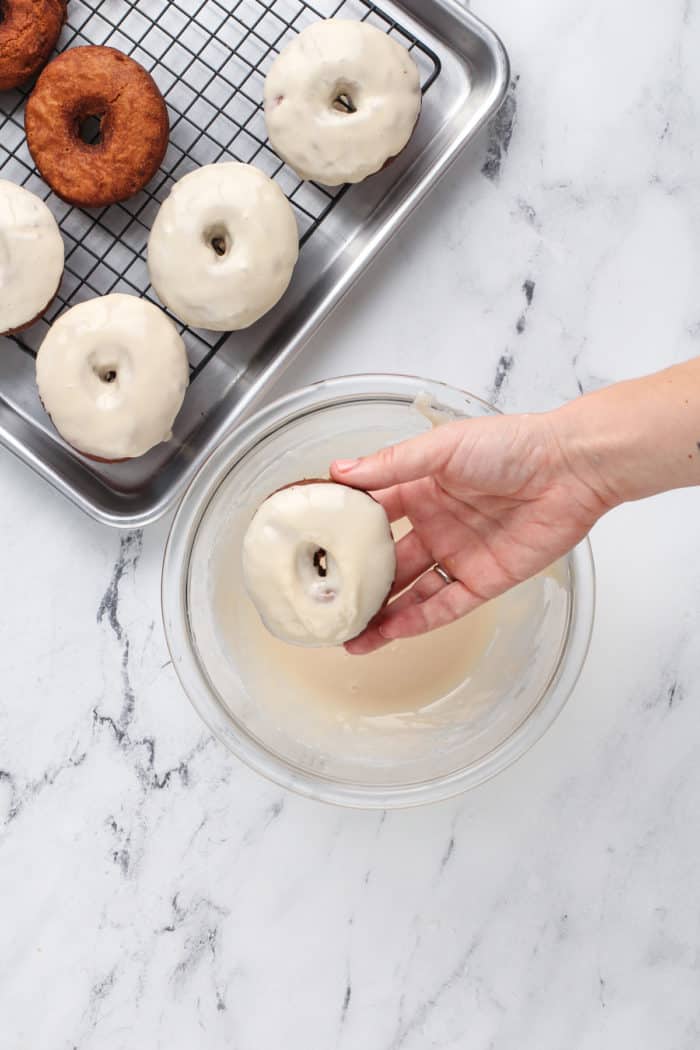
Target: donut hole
<point>90,129</point>
<point>109,368</point>
<point>321,562</point>
<point>343,101</point>
<point>106,373</point>
<point>219,240</point>
<point>108,364</point>
<point>318,573</point>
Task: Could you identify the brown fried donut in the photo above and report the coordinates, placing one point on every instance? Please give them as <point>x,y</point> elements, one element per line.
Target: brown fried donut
<point>29,30</point>
<point>105,84</point>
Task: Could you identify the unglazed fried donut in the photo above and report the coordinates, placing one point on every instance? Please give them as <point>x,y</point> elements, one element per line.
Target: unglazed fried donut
<point>29,30</point>
<point>105,84</point>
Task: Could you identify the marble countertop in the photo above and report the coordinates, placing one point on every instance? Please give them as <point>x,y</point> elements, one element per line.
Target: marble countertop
<point>155,893</point>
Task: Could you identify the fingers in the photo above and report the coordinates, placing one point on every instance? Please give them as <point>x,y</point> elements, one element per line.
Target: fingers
<point>368,642</point>
<point>396,464</point>
<point>428,605</point>
<point>392,501</point>
<point>414,500</point>
<point>412,559</point>
<point>447,603</point>
<point>373,638</point>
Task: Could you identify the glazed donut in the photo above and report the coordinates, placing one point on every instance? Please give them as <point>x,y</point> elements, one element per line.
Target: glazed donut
<point>318,562</point>
<point>223,247</point>
<point>29,31</point>
<point>103,83</point>
<point>112,374</point>
<point>31,258</point>
<point>341,101</point>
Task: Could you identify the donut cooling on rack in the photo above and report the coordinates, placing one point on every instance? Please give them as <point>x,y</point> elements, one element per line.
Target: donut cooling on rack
<point>112,374</point>
<point>223,247</point>
<point>29,31</point>
<point>31,258</point>
<point>105,87</point>
<point>319,563</point>
<point>341,101</point>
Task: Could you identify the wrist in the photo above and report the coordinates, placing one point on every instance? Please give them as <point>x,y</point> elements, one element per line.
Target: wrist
<point>637,438</point>
<point>595,445</point>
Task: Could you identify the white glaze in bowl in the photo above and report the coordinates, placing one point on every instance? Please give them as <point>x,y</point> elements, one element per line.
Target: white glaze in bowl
<point>276,716</point>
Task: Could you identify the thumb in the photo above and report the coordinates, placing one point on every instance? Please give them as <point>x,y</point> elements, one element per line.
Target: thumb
<point>408,461</point>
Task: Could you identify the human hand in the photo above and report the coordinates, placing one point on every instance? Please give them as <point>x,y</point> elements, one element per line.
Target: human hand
<point>493,501</point>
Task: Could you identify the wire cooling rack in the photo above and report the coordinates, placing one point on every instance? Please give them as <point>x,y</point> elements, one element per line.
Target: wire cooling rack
<point>210,63</point>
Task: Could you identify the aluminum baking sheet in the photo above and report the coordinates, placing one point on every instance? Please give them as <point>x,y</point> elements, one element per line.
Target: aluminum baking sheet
<point>209,59</point>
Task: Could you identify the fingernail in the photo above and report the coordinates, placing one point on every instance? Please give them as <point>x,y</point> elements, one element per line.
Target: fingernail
<point>344,466</point>
<point>388,631</point>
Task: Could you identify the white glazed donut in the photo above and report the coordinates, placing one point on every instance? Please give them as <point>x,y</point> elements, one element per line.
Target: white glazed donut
<point>341,100</point>
<point>112,374</point>
<point>318,562</point>
<point>31,257</point>
<point>223,247</point>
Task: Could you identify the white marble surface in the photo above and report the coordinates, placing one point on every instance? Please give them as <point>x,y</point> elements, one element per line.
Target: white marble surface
<point>154,893</point>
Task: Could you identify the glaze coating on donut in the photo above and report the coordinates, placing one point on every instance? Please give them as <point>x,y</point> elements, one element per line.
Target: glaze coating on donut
<point>102,83</point>
<point>223,247</point>
<point>29,31</point>
<point>112,374</point>
<point>341,101</point>
<point>319,562</point>
<point>31,258</point>
<point>18,329</point>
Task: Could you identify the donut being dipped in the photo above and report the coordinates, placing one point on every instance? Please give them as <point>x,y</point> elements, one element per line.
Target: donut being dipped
<point>341,101</point>
<point>31,258</point>
<point>29,31</point>
<point>112,374</point>
<point>223,247</point>
<point>319,563</point>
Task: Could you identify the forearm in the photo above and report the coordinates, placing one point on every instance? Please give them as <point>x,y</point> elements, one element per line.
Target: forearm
<point>638,438</point>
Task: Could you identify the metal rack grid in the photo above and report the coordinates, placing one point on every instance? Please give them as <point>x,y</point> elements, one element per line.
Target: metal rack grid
<point>210,64</point>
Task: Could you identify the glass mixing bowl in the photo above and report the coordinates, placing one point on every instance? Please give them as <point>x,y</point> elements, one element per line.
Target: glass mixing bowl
<point>247,695</point>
